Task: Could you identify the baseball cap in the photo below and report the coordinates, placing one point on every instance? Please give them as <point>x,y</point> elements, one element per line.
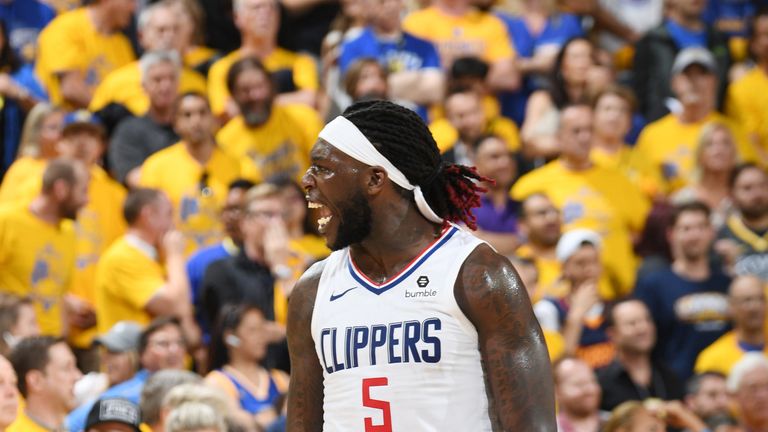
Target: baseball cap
<point>571,241</point>
<point>114,410</point>
<point>691,56</point>
<point>123,336</point>
<point>82,120</point>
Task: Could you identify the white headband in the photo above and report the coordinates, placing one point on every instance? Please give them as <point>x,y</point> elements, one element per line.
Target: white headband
<point>345,136</point>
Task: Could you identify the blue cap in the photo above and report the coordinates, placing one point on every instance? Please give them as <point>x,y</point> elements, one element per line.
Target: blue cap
<point>82,119</point>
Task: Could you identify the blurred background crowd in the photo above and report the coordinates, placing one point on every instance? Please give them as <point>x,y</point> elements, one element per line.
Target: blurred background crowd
<point>153,222</point>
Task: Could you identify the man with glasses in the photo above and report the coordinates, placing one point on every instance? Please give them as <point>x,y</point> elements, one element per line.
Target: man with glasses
<point>162,346</point>
<point>260,273</point>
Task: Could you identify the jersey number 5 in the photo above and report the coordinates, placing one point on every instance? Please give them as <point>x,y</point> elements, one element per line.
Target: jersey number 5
<point>376,404</point>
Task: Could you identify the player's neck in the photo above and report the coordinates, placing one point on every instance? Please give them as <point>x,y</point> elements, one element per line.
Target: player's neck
<point>396,238</point>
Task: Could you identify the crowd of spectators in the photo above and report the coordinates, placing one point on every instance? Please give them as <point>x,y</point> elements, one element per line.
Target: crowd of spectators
<point>153,222</point>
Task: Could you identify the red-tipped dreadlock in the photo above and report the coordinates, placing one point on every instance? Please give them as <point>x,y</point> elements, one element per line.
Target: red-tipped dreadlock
<point>403,138</point>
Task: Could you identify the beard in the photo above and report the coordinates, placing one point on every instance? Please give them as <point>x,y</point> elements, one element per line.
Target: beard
<point>256,114</point>
<point>754,212</point>
<point>355,222</point>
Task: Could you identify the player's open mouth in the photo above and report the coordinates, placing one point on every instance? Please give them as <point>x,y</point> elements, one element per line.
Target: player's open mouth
<point>325,215</point>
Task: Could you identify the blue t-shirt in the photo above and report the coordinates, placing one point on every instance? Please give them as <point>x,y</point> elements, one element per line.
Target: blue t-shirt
<point>730,16</point>
<point>407,53</point>
<point>558,30</point>
<point>685,37</point>
<point>24,20</point>
<point>13,117</point>
<point>130,390</point>
<point>196,267</point>
<point>689,315</point>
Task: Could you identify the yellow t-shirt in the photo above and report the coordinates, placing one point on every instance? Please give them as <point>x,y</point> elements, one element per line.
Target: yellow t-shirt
<point>198,55</point>
<point>665,151</point>
<point>721,356</point>
<point>475,33</point>
<point>24,424</point>
<point>598,199</point>
<point>747,105</point>
<point>197,206</point>
<point>98,224</point>
<point>303,253</point>
<point>16,182</point>
<point>37,259</point>
<point>126,280</point>
<point>71,42</point>
<point>301,66</point>
<point>446,135</point>
<point>123,86</point>
<point>279,146</point>
<point>549,271</point>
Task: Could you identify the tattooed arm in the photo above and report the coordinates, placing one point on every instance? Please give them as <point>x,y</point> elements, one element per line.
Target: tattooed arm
<point>515,360</point>
<point>305,394</point>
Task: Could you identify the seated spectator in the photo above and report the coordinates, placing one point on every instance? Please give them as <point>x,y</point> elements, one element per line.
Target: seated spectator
<point>592,197</point>
<point>131,281</point>
<point>197,393</point>
<point>537,32</point>
<point>195,417</point>
<point>687,299</point>
<point>46,371</point>
<point>706,396</point>
<point>465,122</point>
<point>714,160</point>
<point>634,374</point>
<point>137,138</point>
<point>578,396</point>
<point>17,321</point>
<point>159,386</point>
<point>158,28</point>
<point>9,393</point>
<point>118,360</point>
<point>231,216</point>
<point>664,155</point>
<point>540,229</point>
<point>271,139</point>
<point>748,386</point>
<point>193,173</point>
<point>742,241</point>
<point>458,29</point>
<point>578,315</point>
<point>295,75</point>
<point>251,277</point>
<point>497,214</point>
<point>114,415</point>
<point>747,307</point>
<point>653,415</point>
<point>613,108</point>
<point>569,83</point>
<point>747,102</point>
<point>191,36</point>
<point>161,347</point>
<point>37,254</point>
<point>42,131</point>
<point>414,78</point>
<point>365,79</point>
<point>653,70</point>
<point>79,48</point>
<point>20,92</point>
<point>237,351</point>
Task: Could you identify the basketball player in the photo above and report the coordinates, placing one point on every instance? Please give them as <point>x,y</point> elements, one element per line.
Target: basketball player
<point>412,324</point>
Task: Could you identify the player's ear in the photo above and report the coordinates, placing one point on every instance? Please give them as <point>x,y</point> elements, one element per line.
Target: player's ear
<point>376,179</point>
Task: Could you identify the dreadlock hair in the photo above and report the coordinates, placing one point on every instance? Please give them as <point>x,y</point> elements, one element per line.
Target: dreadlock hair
<point>402,137</point>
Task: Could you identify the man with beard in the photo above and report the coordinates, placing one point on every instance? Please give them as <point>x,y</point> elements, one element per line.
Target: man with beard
<point>272,140</point>
<point>540,230</point>
<point>634,374</point>
<point>687,300</point>
<point>744,238</point>
<point>37,250</point>
<point>412,323</point>
<point>578,396</point>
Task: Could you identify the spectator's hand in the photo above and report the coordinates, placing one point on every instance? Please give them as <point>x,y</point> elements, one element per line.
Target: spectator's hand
<point>79,312</point>
<point>583,298</point>
<point>174,243</point>
<point>274,332</point>
<point>276,240</point>
<point>678,416</point>
<point>10,89</point>
<point>729,250</point>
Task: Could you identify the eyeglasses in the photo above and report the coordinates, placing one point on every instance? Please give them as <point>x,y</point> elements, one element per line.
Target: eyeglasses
<point>264,214</point>
<point>167,344</point>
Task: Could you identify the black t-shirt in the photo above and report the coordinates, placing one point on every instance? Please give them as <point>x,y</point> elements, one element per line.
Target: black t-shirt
<point>618,386</point>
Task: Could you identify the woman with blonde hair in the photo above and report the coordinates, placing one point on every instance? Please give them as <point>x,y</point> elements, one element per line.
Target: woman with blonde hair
<point>715,159</point>
<point>195,417</point>
<point>653,415</point>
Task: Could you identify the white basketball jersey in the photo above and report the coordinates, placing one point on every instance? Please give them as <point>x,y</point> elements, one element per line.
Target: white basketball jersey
<point>400,356</point>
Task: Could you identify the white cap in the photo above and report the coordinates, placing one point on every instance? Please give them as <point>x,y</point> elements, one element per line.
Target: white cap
<point>571,241</point>
<point>691,56</point>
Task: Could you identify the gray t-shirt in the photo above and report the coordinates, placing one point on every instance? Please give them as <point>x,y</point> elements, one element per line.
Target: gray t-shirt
<point>134,140</point>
